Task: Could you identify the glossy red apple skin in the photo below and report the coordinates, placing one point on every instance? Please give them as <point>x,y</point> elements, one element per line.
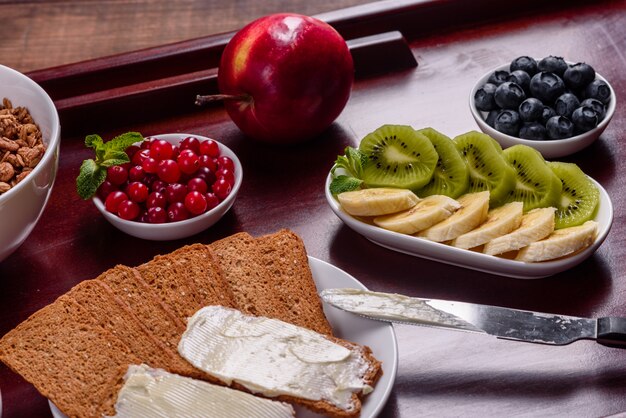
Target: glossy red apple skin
<point>294,72</point>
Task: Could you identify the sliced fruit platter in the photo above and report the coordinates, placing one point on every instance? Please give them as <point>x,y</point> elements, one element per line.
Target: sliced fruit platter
<point>467,202</point>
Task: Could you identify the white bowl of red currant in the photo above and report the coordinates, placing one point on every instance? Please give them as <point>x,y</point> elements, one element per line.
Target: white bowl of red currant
<point>554,106</point>
<point>175,186</point>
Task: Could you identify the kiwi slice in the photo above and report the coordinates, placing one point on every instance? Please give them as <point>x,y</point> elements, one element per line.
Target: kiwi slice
<point>488,170</point>
<point>451,177</point>
<point>397,156</point>
<point>536,185</point>
<point>579,197</point>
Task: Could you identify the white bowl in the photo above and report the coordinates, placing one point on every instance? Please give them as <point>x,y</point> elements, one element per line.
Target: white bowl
<point>549,148</point>
<point>181,229</point>
<point>22,206</point>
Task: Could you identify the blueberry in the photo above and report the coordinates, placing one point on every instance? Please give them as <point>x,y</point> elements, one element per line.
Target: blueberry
<point>508,122</point>
<point>546,114</point>
<point>520,78</point>
<point>565,104</point>
<point>598,90</point>
<point>498,77</point>
<point>577,76</point>
<point>534,131</point>
<point>546,87</point>
<point>509,95</point>
<point>596,105</point>
<point>531,110</point>
<point>585,119</point>
<point>483,99</point>
<point>491,118</point>
<point>559,127</point>
<point>526,64</point>
<point>551,64</point>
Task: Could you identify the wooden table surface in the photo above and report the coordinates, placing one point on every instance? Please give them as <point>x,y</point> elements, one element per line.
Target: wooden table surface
<point>441,373</point>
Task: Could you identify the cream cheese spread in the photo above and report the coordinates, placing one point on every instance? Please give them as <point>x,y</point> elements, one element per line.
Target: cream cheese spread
<point>151,393</point>
<point>393,307</point>
<point>272,357</point>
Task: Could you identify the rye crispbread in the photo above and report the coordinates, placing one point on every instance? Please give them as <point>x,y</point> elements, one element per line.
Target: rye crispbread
<point>254,291</point>
<point>284,256</point>
<point>72,361</point>
<point>151,304</point>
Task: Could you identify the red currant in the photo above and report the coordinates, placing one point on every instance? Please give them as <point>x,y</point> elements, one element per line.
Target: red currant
<point>206,174</point>
<point>210,148</point>
<point>225,162</point>
<point>191,143</point>
<point>157,215</point>
<point>105,189</point>
<point>226,174</point>
<point>195,202</point>
<point>176,192</point>
<point>113,200</point>
<point>188,162</point>
<point>197,184</point>
<point>143,216</point>
<point>156,199</point>
<point>175,152</point>
<point>117,174</point>
<point>206,161</point>
<point>158,186</point>
<point>150,165</point>
<point>146,143</point>
<point>221,188</point>
<point>140,156</point>
<point>169,171</point>
<point>177,212</point>
<point>160,149</point>
<point>211,200</point>
<point>137,192</point>
<point>136,173</point>
<point>128,210</point>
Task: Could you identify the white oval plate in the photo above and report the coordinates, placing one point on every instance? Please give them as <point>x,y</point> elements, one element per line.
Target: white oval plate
<point>436,251</point>
<point>379,336</point>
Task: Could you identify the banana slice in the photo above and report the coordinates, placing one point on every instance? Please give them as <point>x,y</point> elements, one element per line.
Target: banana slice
<point>560,243</point>
<point>499,221</point>
<point>426,213</point>
<point>536,224</point>
<point>473,212</point>
<point>377,201</point>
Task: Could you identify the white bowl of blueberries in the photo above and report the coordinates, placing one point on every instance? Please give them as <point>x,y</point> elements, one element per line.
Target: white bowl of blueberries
<point>554,106</point>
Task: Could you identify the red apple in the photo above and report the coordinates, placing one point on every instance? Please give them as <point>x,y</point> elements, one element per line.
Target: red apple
<point>287,77</point>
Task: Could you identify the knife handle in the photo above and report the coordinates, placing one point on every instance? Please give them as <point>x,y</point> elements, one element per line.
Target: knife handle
<point>612,332</point>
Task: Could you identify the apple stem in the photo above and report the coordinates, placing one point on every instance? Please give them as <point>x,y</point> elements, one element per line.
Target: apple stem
<point>202,100</point>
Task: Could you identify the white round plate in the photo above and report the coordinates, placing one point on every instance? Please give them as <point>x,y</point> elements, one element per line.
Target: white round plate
<point>436,251</point>
<point>379,336</point>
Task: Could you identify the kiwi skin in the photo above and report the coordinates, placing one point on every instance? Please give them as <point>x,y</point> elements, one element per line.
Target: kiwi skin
<point>536,184</point>
<point>397,156</point>
<point>579,198</point>
<point>451,176</point>
<point>488,170</point>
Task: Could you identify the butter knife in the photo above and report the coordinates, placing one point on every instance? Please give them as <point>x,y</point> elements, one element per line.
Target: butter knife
<point>510,324</point>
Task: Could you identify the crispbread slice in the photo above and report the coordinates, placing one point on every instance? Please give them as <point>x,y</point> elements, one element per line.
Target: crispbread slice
<point>171,277</point>
<point>254,293</point>
<point>113,314</point>
<point>129,287</point>
<point>73,362</point>
<point>284,256</point>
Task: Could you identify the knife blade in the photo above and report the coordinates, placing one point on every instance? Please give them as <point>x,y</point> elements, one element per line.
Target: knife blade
<point>505,323</point>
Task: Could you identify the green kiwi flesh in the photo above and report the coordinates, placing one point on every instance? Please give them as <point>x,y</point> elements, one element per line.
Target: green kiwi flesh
<point>579,197</point>
<point>536,185</point>
<point>488,170</point>
<point>397,156</point>
<point>451,176</point>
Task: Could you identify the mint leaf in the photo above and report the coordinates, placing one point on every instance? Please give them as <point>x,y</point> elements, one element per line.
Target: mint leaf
<point>352,162</point>
<point>121,142</point>
<point>343,183</point>
<point>93,141</point>
<point>113,157</point>
<point>90,178</point>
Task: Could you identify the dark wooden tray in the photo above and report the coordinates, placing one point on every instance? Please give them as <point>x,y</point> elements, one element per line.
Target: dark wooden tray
<point>441,373</point>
